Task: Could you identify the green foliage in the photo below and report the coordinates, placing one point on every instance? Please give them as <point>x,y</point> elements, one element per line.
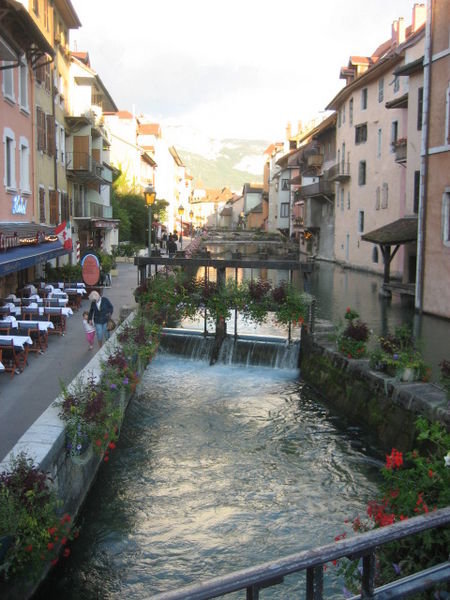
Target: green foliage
<point>352,339</point>
<point>444,376</point>
<point>398,352</point>
<point>29,513</point>
<point>67,273</point>
<point>106,261</point>
<point>411,487</point>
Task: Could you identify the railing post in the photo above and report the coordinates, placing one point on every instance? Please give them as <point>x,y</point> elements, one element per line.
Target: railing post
<point>314,583</point>
<point>368,575</point>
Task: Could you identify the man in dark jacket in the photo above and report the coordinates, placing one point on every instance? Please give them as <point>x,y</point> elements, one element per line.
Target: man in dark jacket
<point>99,314</point>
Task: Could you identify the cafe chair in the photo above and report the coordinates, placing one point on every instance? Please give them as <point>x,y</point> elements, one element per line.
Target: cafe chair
<point>10,359</point>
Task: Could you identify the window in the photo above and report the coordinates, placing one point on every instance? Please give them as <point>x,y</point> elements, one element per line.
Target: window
<point>377,198</point>
<point>385,196</point>
<point>381,89</point>
<point>36,7</point>
<point>339,118</point>
<point>24,165</point>
<point>65,212</point>
<point>364,99</point>
<point>394,134</point>
<point>9,143</point>
<point>348,200</point>
<point>375,254</point>
<point>8,81</point>
<point>285,184</point>
<point>46,16</point>
<point>379,141</point>
<point>342,199</point>
<point>350,111</point>
<point>447,118</point>
<point>284,210</point>
<point>62,144</point>
<point>362,172</point>
<point>343,113</point>
<point>419,108</point>
<point>361,221</point>
<point>23,84</point>
<point>396,83</point>
<point>41,204</point>
<point>416,191</point>
<point>361,133</point>
<point>446,218</point>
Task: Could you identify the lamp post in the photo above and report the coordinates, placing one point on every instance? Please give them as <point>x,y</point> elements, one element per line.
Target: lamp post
<point>181,213</point>
<point>149,199</point>
<point>191,216</point>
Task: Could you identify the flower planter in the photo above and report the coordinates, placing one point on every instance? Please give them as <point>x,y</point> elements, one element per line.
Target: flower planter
<point>408,375</point>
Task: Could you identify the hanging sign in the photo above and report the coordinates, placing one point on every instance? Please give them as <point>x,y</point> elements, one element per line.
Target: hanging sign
<point>90,269</point>
<point>19,205</point>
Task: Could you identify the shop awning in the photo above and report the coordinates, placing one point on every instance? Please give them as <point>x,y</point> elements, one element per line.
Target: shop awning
<point>401,231</point>
<point>16,259</point>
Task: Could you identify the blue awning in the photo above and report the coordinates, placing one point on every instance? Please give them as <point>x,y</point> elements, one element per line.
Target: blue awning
<point>16,259</point>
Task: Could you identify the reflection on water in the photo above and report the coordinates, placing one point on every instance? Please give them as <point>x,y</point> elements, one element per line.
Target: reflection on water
<point>217,468</point>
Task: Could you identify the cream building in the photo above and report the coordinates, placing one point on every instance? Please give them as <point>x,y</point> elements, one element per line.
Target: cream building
<point>373,187</point>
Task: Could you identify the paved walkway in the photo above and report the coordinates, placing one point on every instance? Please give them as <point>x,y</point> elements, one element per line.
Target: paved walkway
<point>25,397</point>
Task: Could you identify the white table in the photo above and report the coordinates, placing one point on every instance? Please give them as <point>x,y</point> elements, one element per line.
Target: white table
<point>9,319</point>
<point>18,341</point>
<point>42,325</point>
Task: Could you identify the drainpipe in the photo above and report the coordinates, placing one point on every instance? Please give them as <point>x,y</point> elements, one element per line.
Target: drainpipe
<point>427,59</point>
<point>55,158</point>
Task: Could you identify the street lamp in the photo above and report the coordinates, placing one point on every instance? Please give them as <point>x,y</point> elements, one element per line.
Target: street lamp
<point>191,216</point>
<point>181,213</point>
<point>150,196</point>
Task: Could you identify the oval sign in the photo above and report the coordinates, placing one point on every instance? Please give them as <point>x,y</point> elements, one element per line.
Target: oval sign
<point>90,269</point>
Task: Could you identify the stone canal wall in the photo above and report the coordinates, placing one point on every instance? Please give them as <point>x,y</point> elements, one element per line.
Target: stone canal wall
<point>45,443</point>
<point>383,407</point>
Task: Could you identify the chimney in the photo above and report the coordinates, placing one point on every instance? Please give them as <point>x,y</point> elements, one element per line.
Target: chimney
<point>299,127</point>
<point>418,17</point>
<point>288,131</point>
<point>398,31</point>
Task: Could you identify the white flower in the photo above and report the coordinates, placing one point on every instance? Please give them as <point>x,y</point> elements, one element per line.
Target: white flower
<point>447,459</point>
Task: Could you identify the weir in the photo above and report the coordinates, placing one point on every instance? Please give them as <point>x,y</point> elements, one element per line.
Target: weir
<point>267,351</point>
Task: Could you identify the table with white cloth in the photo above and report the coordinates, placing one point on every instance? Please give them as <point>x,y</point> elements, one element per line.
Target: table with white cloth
<point>14,352</point>
<point>8,321</point>
<point>57,294</point>
<point>41,337</point>
<point>58,317</point>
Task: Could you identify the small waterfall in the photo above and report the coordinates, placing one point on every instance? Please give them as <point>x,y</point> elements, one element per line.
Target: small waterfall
<point>246,350</point>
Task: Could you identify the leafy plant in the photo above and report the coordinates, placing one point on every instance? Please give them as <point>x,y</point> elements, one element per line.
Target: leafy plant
<point>413,485</point>
<point>353,339</point>
<point>444,377</point>
<point>30,515</point>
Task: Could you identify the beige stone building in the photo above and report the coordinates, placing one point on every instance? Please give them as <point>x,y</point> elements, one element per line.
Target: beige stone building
<point>376,119</point>
<point>433,264</point>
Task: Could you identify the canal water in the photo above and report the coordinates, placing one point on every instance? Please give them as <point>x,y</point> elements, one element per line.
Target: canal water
<point>217,468</point>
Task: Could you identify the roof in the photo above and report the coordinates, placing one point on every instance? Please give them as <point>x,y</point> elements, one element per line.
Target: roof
<point>328,123</point>
<point>410,68</point>
<point>121,114</point>
<point>402,231</point>
<point>67,11</point>
<point>150,129</point>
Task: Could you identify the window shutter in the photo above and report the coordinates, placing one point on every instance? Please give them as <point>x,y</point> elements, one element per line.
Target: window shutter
<point>41,205</point>
<point>50,135</point>
<point>53,207</point>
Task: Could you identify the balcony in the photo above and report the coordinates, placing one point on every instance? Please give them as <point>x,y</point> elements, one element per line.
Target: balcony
<point>83,167</point>
<point>93,210</point>
<point>323,187</point>
<point>314,160</point>
<point>399,148</point>
<point>339,172</point>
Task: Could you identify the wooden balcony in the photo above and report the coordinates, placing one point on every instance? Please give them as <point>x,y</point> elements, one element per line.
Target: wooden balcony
<point>400,151</point>
<point>323,187</point>
<point>82,166</point>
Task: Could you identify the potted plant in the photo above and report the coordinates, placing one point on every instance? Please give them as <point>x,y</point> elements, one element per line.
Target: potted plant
<point>352,342</point>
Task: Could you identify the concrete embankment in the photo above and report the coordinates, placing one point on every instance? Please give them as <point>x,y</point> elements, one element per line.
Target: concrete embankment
<point>382,406</point>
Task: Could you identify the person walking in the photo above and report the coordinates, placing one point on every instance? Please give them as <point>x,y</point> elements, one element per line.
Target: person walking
<point>89,329</point>
<point>171,247</point>
<point>99,314</point>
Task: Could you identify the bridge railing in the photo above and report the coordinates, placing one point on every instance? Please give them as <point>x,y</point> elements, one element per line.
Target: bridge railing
<point>362,546</point>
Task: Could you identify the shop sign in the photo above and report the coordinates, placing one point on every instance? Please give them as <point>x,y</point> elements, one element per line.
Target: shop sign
<point>19,205</point>
<point>90,269</point>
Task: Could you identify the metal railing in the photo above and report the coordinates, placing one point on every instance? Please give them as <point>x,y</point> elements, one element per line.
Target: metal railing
<point>340,170</point>
<point>83,162</point>
<point>364,546</point>
<point>321,187</point>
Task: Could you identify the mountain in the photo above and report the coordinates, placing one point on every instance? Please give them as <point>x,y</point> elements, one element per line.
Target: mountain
<point>218,162</point>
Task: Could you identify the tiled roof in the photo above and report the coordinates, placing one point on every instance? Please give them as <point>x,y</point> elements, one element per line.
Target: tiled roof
<point>401,231</point>
<point>150,129</point>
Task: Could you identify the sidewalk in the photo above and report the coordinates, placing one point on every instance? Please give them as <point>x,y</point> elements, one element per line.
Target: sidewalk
<point>25,397</point>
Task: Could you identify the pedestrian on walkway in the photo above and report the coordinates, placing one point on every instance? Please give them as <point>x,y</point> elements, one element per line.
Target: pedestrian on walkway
<point>89,329</point>
<point>171,246</point>
<point>99,314</point>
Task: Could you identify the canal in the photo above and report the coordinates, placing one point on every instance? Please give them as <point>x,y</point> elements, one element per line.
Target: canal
<point>217,468</point>
<point>220,468</point>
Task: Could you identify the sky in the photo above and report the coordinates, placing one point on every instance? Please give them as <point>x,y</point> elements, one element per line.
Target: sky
<point>234,69</point>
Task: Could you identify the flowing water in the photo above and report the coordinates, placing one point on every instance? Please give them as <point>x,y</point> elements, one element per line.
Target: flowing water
<point>217,468</point>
